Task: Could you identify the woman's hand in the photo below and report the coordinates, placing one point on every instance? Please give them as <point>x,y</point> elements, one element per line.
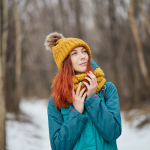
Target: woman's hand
<point>78,98</point>
<point>91,89</point>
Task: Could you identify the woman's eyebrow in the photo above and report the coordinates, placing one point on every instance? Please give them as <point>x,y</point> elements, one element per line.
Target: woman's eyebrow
<point>76,50</point>
<point>73,50</point>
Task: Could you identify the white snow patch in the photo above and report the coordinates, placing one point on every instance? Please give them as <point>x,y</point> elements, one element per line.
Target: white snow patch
<point>133,138</point>
<point>29,135</point>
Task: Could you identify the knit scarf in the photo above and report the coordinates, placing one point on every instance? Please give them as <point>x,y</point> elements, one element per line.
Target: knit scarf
<point>99,76</point>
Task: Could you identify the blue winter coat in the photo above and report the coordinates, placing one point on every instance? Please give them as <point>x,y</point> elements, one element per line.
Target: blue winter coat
<point>96,129</point>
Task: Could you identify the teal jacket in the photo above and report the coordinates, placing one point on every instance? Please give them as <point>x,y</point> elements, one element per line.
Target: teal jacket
<point>97,128</point>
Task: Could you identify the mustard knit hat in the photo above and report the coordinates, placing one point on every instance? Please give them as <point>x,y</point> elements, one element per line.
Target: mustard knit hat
<point>61,47</point>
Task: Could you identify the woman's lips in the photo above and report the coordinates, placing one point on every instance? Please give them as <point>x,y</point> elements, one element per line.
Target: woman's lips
<point>84,64</point>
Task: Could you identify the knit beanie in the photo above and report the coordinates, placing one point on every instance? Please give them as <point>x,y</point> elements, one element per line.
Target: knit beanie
<point>61,47</point>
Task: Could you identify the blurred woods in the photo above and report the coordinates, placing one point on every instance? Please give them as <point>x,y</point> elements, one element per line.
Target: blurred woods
<point>117,31</point>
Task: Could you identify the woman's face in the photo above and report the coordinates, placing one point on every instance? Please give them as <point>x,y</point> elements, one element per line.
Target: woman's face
<point>79,57</point>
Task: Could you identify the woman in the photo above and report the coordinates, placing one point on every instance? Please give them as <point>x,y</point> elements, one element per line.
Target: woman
<point>78,116</point>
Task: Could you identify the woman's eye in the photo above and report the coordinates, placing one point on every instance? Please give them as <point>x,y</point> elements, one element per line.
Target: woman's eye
<point>85,51</point>
<point>73,53</point>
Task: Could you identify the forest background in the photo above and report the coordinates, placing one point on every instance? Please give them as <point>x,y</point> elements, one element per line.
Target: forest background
<point>117,31</point>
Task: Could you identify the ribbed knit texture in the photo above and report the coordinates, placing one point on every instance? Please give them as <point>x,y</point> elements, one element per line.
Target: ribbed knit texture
<point>64,46</point>
<point>100,80</point>
<point>99,75</point>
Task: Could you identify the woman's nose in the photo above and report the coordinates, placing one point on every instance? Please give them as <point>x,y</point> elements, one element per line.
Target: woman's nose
<point>82,55</point>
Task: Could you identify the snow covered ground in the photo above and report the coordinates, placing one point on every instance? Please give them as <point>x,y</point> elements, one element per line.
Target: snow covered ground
<point>133,138</point>
<point>31,131</point>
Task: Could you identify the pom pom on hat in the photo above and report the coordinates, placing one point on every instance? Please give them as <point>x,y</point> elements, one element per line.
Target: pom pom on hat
<point>51,40</point>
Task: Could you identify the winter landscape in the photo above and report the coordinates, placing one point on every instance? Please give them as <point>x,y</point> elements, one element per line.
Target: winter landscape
<point>31,132</point>
<point>117,32</point>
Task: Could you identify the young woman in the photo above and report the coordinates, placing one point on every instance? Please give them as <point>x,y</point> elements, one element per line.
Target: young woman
<point>78,116</point>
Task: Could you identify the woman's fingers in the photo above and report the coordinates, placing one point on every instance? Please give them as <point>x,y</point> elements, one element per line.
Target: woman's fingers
<point>92,76</point>
<point>87,85</point>
<point>90,80</point>
<point>78,89</point>
<point>82,91</point>
<point>84,95</point>
<point>91,73</point>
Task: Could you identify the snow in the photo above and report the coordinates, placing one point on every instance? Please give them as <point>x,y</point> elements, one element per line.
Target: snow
<point>31,131</point>
<point>31,134</point>
<point>133,138</point>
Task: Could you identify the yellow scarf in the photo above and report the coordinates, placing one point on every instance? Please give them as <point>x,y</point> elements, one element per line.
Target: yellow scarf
<point>100,79</point>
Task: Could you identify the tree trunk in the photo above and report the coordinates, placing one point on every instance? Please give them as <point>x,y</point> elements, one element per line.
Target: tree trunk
<point>18,54</point>
<point>4,40</point>
<point>50,11</point>
<point>2,110</point>
<point>62,17</point>
<point>134,29</point>
<point>136,80</point>
<point>145,16</point>
<point>78,15</point>
<point>99,16</point>
<point>3,50</point>
<point>114,43</point>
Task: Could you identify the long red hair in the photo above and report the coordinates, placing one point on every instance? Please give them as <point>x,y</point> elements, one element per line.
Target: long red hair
<point>62,83</point>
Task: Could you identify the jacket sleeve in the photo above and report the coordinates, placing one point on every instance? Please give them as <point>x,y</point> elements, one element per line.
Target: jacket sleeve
<point>105,117</point>
<point>64,134</point>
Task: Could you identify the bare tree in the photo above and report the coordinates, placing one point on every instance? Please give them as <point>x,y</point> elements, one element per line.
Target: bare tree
<point>2,109</point>
<point>3,50</point>
<point>95,21</point>
<point>62,16</point>
<point>113,41</point>
<point>99,17</point>
<point>78,15</point>
<point>144,14</point>
<point>141,59</point>
<point>18,53</point>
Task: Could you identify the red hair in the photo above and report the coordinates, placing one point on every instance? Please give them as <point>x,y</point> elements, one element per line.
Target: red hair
<point>62,83</point>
